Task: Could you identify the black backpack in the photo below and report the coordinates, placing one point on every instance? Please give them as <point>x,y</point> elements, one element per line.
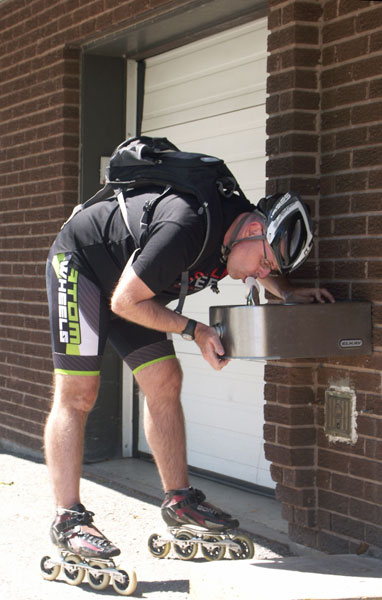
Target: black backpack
<point>141,161</point>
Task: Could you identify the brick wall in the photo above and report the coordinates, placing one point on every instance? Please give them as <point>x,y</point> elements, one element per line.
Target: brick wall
<point>325,140</point>
<point>39,168</point>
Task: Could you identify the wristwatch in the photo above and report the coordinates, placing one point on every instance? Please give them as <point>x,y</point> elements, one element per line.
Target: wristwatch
<point>188,332</point>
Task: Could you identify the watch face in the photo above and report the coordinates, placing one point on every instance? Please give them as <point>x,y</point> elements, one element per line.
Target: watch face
<point>187,336</point>
<point>189,331</point>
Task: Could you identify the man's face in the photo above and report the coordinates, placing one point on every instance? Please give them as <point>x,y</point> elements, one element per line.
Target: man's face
<point>251,258</point>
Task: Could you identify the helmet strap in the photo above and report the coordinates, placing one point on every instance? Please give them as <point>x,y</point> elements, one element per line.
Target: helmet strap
<point>226,249</point>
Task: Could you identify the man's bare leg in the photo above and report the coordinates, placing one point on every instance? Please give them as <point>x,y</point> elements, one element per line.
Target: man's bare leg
<point>74,397</point>
<point>164,422</point>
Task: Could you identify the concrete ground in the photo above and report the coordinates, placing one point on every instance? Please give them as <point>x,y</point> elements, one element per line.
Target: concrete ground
<point>125,494</point>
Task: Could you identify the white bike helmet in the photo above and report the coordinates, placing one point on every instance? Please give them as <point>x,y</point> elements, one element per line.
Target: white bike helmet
<point>288,229</point>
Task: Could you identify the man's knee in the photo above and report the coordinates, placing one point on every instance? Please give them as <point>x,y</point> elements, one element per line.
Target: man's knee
<point>162,380</point>
<point>78,392</point>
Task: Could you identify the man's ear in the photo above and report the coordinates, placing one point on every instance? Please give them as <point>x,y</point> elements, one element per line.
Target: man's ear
<point>253,228</point>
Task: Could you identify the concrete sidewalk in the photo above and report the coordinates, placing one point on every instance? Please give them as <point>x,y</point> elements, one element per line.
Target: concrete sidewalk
<point>308,574</point>
<point>125,495</point>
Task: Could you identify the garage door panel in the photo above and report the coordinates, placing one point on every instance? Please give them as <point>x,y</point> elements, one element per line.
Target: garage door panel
<point>209,97</point>
<point>205,56</point>
<point>245,124</point>
<point>219,456</point>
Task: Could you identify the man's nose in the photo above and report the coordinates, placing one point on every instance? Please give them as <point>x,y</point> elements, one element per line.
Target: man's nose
<point>263,272</point>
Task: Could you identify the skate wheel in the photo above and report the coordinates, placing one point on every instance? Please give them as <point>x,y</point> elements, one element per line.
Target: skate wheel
<point>185,551</point>
<point>49,572</point>
<point>129,583</point>
<point>212,552</point>
<point>97,581</point>
<point>73,575</point>
<point>247,549</point>
<point>156,547</point>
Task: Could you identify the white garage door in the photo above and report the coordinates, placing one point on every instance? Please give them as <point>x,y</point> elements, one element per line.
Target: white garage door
<point>209,96</point>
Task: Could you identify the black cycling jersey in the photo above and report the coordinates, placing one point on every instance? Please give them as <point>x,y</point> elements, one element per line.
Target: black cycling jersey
<point>86,262</point>
<point>101,245</point>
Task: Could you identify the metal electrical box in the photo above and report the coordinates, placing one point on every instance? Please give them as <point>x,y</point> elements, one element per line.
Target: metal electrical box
<point>276,331</point>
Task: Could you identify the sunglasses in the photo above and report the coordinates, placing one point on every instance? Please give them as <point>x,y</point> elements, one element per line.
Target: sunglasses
<point>265,262</point>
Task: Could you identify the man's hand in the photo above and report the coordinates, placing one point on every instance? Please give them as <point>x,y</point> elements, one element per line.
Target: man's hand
<point>210,346</point>
<point>306,295</point>
<point>282,288</point>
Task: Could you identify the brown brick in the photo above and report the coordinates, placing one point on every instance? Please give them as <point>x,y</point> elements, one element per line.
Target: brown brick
<point>299,99</point>
<point>293,164</point>
<point>369,20</point>
<point>336,118</point>
<point>296,436</point>
<point>373,449</point>
<point>299,57</point>
<point>333,502</point>
<point>373,535</point>
<point>285,415</point>
<point>367,202</point>
<point>288,375</point>
<point>375,134</point>
<point>334,544</point>
<point>303,535</point>
<point>305,517</point>
<point>350,269</point>
<point>345,51</point>
<point>299,142</point>
<point>336,461</point>
<point>324,519</point>
<point>366,247</point>
<point>287,512</point>
<point>330,10</point>
<point>338,30</point>
<point>373,492</point>
<point>366,113</point>
<point>335,206</point>
<point>338,161</point>
<point>298,394</point>
<point>375,179</point>
<point>299,477</point>
<point>296,497</point>
<point>297,457</point>
<point>376,41</point>
<point>351,486</point>
<point>348,527</point>
<point>301,11</point>
<point>285,80</point>
<point>276,473</point>
<point>269,432</point>
<point>349,138</point>
<point>365,511</point>
<point>294,34</point>
<point>350,226</point>
<point>333,248</point>
<point>367,469</point>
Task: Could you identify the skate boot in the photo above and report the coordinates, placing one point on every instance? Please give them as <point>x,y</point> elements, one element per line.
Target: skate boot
<point>192,522</point>
<point>81,552</point>
<point>69,532</point>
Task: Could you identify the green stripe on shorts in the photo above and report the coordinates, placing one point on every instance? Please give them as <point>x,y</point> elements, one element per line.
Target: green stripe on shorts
<point>152,362</point>
<point>65,372</point>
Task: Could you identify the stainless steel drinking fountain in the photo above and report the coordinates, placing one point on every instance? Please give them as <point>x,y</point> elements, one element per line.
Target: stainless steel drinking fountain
<point>276,331</point>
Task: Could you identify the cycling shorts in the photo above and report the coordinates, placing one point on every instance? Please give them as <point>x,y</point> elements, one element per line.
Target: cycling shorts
<point>81,321</point>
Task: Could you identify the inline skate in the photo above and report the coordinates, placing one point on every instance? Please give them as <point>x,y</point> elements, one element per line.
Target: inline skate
<point>194,523</point>
<point>81,553</point>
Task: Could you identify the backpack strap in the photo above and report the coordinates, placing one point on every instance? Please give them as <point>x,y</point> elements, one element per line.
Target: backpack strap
<point>148,208</point>
<point>182,293</point>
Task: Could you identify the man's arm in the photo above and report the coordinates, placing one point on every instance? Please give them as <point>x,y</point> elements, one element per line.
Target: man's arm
<point>134,301</point>
<point>279,286</point>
